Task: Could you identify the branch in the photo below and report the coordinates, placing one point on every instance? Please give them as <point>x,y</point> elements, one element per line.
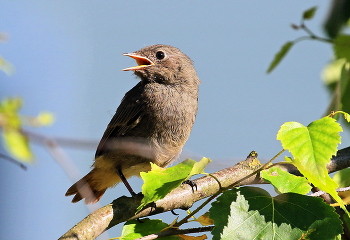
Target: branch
<point>64,142</point>
<point>124,208</point>
<point>174,231</point>
<point>14,161</point>
<point>319,193</point>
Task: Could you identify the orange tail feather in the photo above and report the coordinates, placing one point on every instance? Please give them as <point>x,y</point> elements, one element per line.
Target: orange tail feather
<point>86,188</point>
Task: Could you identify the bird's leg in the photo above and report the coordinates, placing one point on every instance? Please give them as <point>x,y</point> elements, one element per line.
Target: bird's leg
<point>174,213</point>
<point>126,183</point>
<point>191,183</point>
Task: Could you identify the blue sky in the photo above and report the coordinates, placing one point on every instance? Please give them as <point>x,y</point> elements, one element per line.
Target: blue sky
<point>68,61</point>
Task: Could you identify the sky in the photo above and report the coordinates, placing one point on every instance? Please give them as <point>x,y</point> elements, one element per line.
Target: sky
<point>68,60</point>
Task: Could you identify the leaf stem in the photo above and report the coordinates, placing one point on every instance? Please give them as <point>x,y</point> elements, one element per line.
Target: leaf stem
<point>312,35</point>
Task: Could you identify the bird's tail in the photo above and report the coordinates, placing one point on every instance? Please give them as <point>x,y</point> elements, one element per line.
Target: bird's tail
<point>91,187</point>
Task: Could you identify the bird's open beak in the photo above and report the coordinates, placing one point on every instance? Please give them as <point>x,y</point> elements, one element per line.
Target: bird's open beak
<point>142,62</point>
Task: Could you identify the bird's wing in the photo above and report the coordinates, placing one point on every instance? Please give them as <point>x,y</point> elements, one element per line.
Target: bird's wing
<point>127,115</point>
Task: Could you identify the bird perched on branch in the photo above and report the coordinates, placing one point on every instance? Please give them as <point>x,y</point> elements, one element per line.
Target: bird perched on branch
<point>152,123</point>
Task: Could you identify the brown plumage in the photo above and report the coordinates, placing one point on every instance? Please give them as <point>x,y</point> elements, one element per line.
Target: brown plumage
<point>152,123</point>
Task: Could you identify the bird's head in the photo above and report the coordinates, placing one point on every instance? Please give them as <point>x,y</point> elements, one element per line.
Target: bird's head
<point>163,64</point>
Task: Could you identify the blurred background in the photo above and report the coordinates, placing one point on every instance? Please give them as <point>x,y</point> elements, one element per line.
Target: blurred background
<point>68,61</point>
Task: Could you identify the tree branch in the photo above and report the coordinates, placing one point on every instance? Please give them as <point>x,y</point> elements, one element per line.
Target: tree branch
<point>174,231</point>
<point>14,161</point>
<point>124,208</point>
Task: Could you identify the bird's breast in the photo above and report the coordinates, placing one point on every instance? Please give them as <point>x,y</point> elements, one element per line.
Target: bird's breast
<point>171,110</point>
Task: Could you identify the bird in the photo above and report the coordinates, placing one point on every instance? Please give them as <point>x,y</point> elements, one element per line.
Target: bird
<point>151,124</point>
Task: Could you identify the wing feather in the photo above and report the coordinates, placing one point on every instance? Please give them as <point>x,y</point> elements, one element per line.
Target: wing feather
<point>127,115</point>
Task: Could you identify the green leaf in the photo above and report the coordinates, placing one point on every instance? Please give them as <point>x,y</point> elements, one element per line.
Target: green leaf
<point>332,72</point>
<point>310,13</point>
<point>345,88</point>
<point>45,119</point>
<point>280,55</point>
<point>288,159</point>
<point>313,145</point>
<point>15,142</point>
<point>341,47</point>
<point>337,77</point>
<point>337,18</point>
<point>286,182</point>
<point>10,105</point>
<point>160,181</point>
<point>135,229</point>
<point>251,213</point>
<point>342,177</point>
<point>312,148</point>
<point>347,117</point>
<point>17,145</point>
<point>198,167</point>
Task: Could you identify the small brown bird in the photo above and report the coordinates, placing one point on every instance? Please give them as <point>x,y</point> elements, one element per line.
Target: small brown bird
<point>152,123</point>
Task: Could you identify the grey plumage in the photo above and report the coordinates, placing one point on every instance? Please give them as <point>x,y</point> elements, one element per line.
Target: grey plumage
<point>152,123</point>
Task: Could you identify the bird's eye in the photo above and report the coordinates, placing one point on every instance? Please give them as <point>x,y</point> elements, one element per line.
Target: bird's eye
<point>160,55</point>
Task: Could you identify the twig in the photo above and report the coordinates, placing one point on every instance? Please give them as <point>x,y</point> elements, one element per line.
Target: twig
<point>311,35</point>
<point>69,168</point>
<point>14,161</point>
<point>319,193</point>
<point>65,142</point>
<point>174,231</point>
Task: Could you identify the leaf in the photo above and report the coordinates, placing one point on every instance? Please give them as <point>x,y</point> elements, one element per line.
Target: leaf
<point>337,77</point>
<point>345,87</point>
<point>198,167</point>
<point>312,148</point>
<point>185,237</point>
<point>337,18</point>
<point>160,181</point>
<point>310,13</point>
<point>280,55</point>
<point>6,67</point>
<point>135,229</point>
<point>288,159</point>
<point>313,145</point>
<point>286,182</point>
<point>347,117</point>
<point>341,47</point>
<point>15,142</point>
<point>251,213</point>
<point>45,119</point>
<point>205,220</point>
<point>17,145</point>
<point>10,105</point>
<point>332,72</point>
<point>342,177</point>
